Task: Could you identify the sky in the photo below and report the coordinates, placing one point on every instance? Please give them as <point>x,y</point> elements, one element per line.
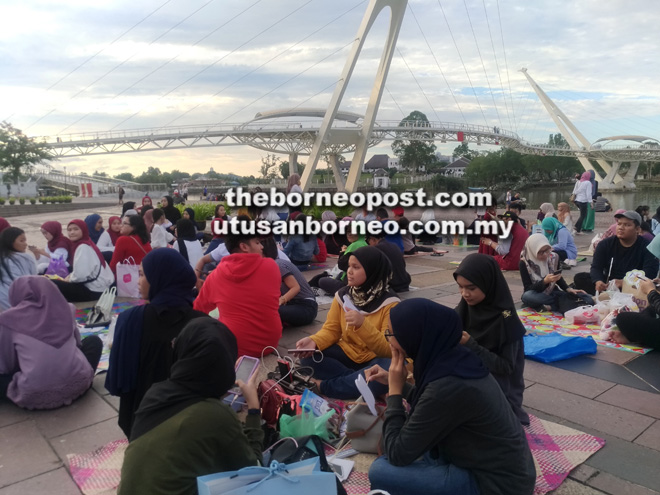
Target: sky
<point>74,66</point>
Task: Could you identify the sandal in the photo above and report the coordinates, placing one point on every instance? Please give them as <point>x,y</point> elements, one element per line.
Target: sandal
<point>437,254</point>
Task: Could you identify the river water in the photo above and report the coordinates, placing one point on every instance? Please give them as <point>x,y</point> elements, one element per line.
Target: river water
<point>628,200</point>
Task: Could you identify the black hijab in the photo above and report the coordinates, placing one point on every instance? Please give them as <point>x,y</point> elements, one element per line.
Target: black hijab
<point>129,205</point>
<point>204,355</point>
<point>494,321</point>
<point>375,291</point>
<point>172,213</point>
<point>430,335</point>
<point>185,231</point>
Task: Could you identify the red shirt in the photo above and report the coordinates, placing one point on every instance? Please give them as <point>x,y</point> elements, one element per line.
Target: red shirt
<point>323,251</point>
<point>511,260</point>
<point>245,287</point>
<point>129,246</point>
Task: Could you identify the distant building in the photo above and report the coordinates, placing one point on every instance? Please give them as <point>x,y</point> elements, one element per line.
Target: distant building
<point>377,162</point>
<point>381,179</point>
<point>456,168</point>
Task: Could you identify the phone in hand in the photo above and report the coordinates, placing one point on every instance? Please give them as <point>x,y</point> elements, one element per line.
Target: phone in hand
<point>245,368</point>
<point>557,272</point>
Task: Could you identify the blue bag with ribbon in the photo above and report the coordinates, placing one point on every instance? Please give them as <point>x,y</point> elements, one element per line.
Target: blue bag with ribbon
<point>299,478</point>
<point>555,347</point>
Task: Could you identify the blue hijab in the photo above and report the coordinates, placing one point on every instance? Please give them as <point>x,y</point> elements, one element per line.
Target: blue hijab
<point>171,280</point>
<point>90,221</point>
<point>430,334</point>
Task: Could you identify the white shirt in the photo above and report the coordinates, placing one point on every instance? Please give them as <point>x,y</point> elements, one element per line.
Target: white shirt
<point>86,265</point>
<point>160,237</point>
<point>195,251</point>
<point>583,192</point>
<point>105,243</point>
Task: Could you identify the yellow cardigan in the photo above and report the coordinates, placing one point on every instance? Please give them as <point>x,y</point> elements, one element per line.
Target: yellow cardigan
<point>360,344</point>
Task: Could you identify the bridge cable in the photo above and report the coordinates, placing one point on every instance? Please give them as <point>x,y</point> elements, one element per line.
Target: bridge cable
<point>98,53</point>
<point>171,59</point>
<point>483,65</point>
<point>506,64</point>
<point>497,64</point>
<point>395,102</point>
<point>437,63</point>
<point>287,81</point>
<point>418,85</point>
<point>463,63</point>
<point>214,63</point>
<point>264,64</point>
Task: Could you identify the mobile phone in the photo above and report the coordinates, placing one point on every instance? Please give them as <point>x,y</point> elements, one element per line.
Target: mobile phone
<point>557,272</point>
<point>245,368</point>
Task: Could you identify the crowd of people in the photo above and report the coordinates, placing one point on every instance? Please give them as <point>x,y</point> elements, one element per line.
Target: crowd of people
<point>459,370</point>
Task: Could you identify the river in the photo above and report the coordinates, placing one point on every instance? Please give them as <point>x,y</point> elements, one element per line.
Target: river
<point>628,200</point>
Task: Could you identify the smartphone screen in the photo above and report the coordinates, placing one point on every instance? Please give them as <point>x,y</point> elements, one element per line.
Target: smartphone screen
<point>244,370</point>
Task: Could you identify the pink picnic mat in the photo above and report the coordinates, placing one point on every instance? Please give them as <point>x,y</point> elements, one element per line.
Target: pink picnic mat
<point>557,450</point>
<point>546,322</point>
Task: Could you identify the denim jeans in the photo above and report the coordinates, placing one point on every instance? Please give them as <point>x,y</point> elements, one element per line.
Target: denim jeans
<point>338,373</point>
<point>425,475</point>
<point>535,299</point>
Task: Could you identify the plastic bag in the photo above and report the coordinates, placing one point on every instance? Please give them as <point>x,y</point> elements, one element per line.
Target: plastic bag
<point>555,347</point>
<point>305,424</point>
<point>57,267</point>
<point>587,315</point>
<point>624,302</point>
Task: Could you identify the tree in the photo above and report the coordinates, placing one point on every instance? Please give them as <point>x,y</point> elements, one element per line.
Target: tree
<point>414,150</point>
<point>125,176</point>
<point>100,174</point>
<point>558,140</point>
<point>268,167</point>
<point>284,169</point>
<point>463,150</point>
<point>19,153</point>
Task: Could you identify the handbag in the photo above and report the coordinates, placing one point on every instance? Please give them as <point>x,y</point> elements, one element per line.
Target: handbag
<point>556,347</point>
<point>127,279</point>
<point>364,429</point>
<point>571,198</point>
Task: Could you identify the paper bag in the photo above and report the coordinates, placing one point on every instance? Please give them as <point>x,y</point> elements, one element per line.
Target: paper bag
<point>127,279</point>
<point>631,286</point>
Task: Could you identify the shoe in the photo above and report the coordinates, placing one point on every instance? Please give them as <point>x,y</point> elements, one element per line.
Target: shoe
<point>565,266</point>
<point>571,262</point>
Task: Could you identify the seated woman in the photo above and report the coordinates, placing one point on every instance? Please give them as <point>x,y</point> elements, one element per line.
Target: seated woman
<point>332,284</point>
<point>43,362</point>
<point>160,237</point>
<point>301,248</point>
<point>546,210</point>
<point>543,287</point>
<point>14,261</point>
<point>141,353</point>
<point>146,201</point>
<point>333,242</point>
<point>425,238</point>
<point>58,246</point>
<point>491,325</point>
<point>172,213</point>
<point>561,240</point>
<point>128,206</point>
<point>94,224</point>
<point>564,216</point>
<point>182,429</point>
<point>187,243</point>
<point>460,436</point>
<point>220,216</point>
<point>351,339</point>
<point>134,242</point>
<point>90,274</point>
<point>189,214</point>
<point>297,301</point>
<point>109,237</point>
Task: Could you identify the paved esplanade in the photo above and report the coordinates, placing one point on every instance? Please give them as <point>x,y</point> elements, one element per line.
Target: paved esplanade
<point>597,394</point>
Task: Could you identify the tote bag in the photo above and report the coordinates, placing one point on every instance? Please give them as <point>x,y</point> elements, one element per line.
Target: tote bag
<point>127,279</point>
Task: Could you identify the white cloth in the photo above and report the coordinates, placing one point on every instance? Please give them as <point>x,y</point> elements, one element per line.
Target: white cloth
<point>195,251</point>
<point>160,237</point>
<point>583,192</point>
<point>86,265</point>
<point>105,243</point>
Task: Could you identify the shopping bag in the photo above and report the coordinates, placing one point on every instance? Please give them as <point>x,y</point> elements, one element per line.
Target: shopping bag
<point>300,478</point>
<point>57,267</point>
<point>305,424</point>
<point>555,347</point>
<point>631,286</point>
<point>364,429</point>
<point>127,279</point>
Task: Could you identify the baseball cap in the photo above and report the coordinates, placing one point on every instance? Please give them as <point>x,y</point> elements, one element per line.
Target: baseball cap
<point>398,211</point>
<point>631,215</point>
<point>509,214</point>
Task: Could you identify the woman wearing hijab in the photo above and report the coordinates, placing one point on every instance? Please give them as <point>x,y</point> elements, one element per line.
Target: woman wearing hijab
<point>353,339</point>
<point>187,243</point>
<point>146,201</point>
<point>43,362</point>
<point>333,242</point>
<point>147,214</point>
<point>460,435</point>
<point>189,214</point>
<point>141,353</point>
<point>171,212</point>
<point>564,216</point>
<point>58,246</point>
<point>182,429</point>
<point>220,216</point>
<point>561,241</point>
<point>14,261</point>
<point>538,271</point>
<point>546,210</point>
<point>582,193</point>
<point>134,242</point>
<point>642,328</point>
<point>109,237</point>
<point>590,221</point>
<point>491,327</point>
<point>94,224</point>
<point>129,205</point>
<point>332,284</point>
<point>90,274</point>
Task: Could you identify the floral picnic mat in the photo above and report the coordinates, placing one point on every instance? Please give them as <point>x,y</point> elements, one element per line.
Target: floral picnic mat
<point>547,322</point>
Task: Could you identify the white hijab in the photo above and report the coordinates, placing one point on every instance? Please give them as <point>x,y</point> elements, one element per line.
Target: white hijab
<point>539,269</point>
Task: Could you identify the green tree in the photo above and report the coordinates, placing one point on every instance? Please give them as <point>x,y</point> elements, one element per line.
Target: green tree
<point>100,174</point>
<point>463,150</point>
<point>414,150</point>
<point>269,165</point>
<point>284,169</point>
<point>125,176</point>
<point>19,153</point>
<point>558,140</point>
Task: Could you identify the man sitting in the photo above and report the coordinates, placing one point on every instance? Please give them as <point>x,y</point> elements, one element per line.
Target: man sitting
<point>400,277</point>
<point>617,255</point>
<point>245,287</point>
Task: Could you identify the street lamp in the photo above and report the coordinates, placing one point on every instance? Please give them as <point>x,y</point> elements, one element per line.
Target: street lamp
<point>64,180</point>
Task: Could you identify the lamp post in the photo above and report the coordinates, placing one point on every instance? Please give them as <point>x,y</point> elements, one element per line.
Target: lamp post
<point>65,181</point>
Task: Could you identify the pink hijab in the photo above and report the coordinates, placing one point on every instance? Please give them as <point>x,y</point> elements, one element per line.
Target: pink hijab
<point>39,301</point>
<point>585,177</point>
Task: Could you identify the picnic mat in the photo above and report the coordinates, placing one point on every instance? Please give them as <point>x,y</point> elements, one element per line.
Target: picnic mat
<point>547,322</point>
<point>81,317</point>
<point>557,450</point>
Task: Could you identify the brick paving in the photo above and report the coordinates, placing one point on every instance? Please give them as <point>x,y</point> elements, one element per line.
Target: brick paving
<point>34,444</point>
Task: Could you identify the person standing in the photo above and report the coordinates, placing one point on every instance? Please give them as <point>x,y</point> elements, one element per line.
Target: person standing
<point>582,193</point>
<point>121,193</point>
